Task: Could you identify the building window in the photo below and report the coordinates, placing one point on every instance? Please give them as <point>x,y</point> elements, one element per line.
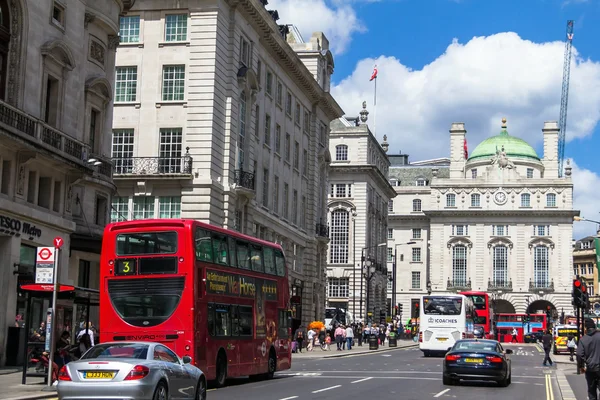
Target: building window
<point>276,194</point>
<point>143,207</point>
<point>267,137</point>
<point>459,265</point>
<point>296,155</point>
<point>94,120</point>
<point>416,205</point>
<point>295,207</point>
<point>265,194</point>
<point>176,27</point>
<point>298,112</point>
<point>390,206</point>
<point>288,145</point>
<point>245,55</point>
<point>585,245</point>
<point>286,199</point>
<point>269,88</point>
<point>338,247</point>
<point>170,151</point>
<point>306,124</point>
<point>416,233</point>
<point>119,209</point>
<point>101,210</point>
<point>122,151</point>
<point>129,29</point>
<point>415,282</point>
<point>460,230</point>
<point>169,207</point>
<point>541,230</point>
<point>258,70</point>
<point>338,287</point>
<point>474,173</point>
<point>421,182</point>
<point>305,162</point>
<point>551,200</point>
<point>322,134</point>
<point>126,84</point>
<point>303,213</point>
<point>288,104</point>
<point>173,83</point>
<point>529,173</point>
<point>277,138</point>
<point>575,270</point>
<point>242,135</point>
<point>341,190</point>
<point>500,230</point>
<point>541,273</point>
<point>416,254</point>
<point>58,14</point>
<point>279,95</point>
<point>525,200</point>
<point>475,200</point>
<point>500,266</point>
<point>450,200</point>
<point>390,234</point>
<point>341,152</point>
<point>591,269</point>
<point>390,254</point>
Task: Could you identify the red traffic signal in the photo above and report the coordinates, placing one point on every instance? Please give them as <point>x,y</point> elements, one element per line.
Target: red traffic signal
<point>577,283</point>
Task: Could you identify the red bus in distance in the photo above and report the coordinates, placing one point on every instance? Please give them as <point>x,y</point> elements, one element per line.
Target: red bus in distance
<point>481,300</point>
<point>215,295</point>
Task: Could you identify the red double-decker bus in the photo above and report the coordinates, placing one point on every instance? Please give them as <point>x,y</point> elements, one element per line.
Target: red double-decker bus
<point>481,300</point>
<point>215,295</point>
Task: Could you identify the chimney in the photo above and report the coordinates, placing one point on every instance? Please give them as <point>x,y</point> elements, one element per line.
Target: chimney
<point>457,150</point>
<point>550,159</point>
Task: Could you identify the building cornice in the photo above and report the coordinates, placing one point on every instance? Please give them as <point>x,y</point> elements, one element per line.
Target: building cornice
<point>407,217</point>
<point>445,183</point>
<point>502,213</point>
<point>371,170</point>
<point>286,56</point>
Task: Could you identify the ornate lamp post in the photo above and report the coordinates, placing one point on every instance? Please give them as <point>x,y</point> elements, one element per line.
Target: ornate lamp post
<point>369,272</point>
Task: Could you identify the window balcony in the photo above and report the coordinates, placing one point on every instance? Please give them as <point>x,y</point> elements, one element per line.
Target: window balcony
<point>163,167</point>
<point>322,231</point>
<point>499,284</point>
<point>40,135</point>
<point>458,285</point>
<point>244,183</point>
<point>541,285</point>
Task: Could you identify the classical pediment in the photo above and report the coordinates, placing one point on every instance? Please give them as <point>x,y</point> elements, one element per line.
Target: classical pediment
<point>459,241</point>
<point>541,241</point>
<point>500,241</point>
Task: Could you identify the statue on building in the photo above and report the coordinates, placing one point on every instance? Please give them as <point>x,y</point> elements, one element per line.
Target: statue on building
<point>502,160</point>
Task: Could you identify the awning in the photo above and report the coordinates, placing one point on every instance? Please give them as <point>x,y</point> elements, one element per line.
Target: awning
<point>76,294</point>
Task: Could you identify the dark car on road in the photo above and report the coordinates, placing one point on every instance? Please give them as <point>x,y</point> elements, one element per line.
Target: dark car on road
<point>533,337</point>
<point>476,359</point>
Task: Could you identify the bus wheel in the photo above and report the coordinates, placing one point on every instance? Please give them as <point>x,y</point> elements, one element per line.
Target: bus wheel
<point>221,371</point>
<point>272,366</point>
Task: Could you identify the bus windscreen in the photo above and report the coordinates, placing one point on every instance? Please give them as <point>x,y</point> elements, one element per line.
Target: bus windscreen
<point>143,243</point>
<point>433,305</point>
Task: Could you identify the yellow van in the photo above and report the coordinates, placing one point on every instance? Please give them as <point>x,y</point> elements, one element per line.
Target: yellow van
<point>561,334</point>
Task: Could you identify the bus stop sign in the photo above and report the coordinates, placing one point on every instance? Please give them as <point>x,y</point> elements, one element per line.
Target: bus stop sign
<point>597,308</point>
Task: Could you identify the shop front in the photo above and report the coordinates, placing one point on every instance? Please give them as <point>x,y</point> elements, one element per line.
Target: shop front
<point>296,304</point>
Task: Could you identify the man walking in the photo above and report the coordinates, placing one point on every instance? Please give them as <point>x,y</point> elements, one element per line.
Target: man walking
<point>547,343</point>
<point>514,336</point>
<point>349,337</point>
<point>588,358</point>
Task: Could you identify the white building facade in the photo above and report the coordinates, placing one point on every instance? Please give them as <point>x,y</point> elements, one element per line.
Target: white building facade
<point>55,179</point>
<point>499,220</point>
<point>222,115</point>
<point>359,193</point>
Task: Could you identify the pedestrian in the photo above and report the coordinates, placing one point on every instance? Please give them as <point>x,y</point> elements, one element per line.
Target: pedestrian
<point>571,345</point>
<point>300,338</point>
<point>339,337</point>
<point>349,337</point>
<point>547,343</point>
<point>323,338</point>
<point>311,340</point>
<point>514,336</point>
<point>588,358</point>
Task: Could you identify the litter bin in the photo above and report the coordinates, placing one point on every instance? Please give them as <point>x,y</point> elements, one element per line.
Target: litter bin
<point>373,342</point>
<point>392,340</point>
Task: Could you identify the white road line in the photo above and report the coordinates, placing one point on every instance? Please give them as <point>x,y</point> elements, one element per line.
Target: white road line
<point>289,398</point>
<point>362,380</point>
<point>329,388</point>
<point>442,392</point>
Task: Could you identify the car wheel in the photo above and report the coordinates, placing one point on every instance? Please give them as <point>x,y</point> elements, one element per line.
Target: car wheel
<point>160,393</point>
<point>505,382</point>
<point>201,390</point>
<point>446,380</point>
<point>221,371</point>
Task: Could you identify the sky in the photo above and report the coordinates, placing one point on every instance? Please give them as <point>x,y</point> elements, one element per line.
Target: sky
<point>471,61</point>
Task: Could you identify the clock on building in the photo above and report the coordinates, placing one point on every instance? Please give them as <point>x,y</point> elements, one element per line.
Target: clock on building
<point>500,197</point>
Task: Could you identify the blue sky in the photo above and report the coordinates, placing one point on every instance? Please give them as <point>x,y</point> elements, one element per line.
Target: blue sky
<point>473,61</point>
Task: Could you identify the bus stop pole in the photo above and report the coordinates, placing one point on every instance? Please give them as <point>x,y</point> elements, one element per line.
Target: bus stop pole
<point>578,310</point>
<point>53,315</point>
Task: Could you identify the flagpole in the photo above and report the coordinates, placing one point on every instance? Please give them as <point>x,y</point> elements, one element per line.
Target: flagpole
<point>375,109</point>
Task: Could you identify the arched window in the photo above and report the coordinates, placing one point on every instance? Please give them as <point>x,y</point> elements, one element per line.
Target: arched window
<point>551,200</point>
<point>339,237</point>
<point>242,136</point>
<point>459,265</point>
<point>525,200</point>
<point>475,200</point>
<point>500,267</point>
<point>541,267</point>
<point>4,44</point>
<point>341,152</point>
<point>417,205</point>
<point>450,200</point>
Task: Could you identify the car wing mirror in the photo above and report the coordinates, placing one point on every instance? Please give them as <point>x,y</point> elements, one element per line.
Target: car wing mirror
<point>186,359</point>
<point>509,351</point>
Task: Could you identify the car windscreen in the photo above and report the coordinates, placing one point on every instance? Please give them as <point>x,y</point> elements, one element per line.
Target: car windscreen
<point>437,305</point>
<point>474,346</point>
<point>117,350</point>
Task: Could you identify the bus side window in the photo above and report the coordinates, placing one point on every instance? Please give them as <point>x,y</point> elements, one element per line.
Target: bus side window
<point>243,255</point>
<point>220,249</point>
<point>256,258</point>
<point>232,252</point>
<point>210,318</point>
<point>235,321</point>
<point>203,246</point>
<point>246,318</point>
<point>279,263</point>
<point>222,320</point>
<point>269,260</point>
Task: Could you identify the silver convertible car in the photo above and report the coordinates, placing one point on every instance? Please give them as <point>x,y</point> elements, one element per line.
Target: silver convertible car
<point>131,370</point>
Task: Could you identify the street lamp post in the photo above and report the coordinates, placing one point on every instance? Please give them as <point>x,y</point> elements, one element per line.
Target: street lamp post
<point>368,273</point>
<point>364,270</point>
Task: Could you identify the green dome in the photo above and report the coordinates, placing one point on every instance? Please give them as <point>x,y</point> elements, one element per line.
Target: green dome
<point>513,146</point>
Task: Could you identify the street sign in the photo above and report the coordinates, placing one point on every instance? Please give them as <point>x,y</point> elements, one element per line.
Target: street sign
<point>44,265</point>
<point>58,242</point>
<point>597,308</point>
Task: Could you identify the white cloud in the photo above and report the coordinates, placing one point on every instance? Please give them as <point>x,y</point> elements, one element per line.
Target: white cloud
<point>338,20</point>
<point>585,199</point>
<point>477,83</point>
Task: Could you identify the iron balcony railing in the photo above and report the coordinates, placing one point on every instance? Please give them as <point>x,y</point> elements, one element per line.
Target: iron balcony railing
<point>244,179</point>
<point>458,284</point>
<point>499,284</point>
<point>322,230</point>
<point>171,165</point>
<point>543,285</point>
<point>41,134</point>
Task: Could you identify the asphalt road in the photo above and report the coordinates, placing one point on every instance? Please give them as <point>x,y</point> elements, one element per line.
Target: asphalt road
<point>402,373</point>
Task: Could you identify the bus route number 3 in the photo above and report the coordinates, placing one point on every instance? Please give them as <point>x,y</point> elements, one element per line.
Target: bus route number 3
<point>126,267</point>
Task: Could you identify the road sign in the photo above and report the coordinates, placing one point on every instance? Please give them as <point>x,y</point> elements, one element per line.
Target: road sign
<point>44,265</point>
<point>45,255</point>
<point>58,242</point>
<point>597,308</point>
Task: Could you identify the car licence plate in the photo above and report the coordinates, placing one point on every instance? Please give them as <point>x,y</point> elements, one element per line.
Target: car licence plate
<point>474,360</point>
<point>98,375</point>
<point>442,339</point>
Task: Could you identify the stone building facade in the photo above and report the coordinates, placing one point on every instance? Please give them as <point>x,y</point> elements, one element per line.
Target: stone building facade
<point>499,220</point>
<point>56,89</point>
<point>585,264</point>
<point>359,193</point>
<point>222,115</point>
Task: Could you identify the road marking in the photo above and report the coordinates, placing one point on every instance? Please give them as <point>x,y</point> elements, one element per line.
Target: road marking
<point>442,392</point>
<point>362,380</point>
<point>549,391</point>
<point>386,355</point>
<point>329,388</point>
<point>290,398</point>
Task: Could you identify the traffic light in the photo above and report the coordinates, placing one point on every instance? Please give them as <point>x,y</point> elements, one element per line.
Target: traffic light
<point>577,293</point>
<point>548,313</point>
<point>414,311</point>
<point>585,297</point>
<point>527,318</point>
<point>399,309</point>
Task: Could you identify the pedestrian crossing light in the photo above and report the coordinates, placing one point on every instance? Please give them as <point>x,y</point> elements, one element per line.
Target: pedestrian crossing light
<point>399,308</point>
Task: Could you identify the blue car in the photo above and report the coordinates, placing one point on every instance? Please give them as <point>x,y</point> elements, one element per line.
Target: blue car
<point>480,360</point>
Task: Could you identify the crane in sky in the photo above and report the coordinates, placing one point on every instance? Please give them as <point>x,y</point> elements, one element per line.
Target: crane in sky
<point>564,98</point>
